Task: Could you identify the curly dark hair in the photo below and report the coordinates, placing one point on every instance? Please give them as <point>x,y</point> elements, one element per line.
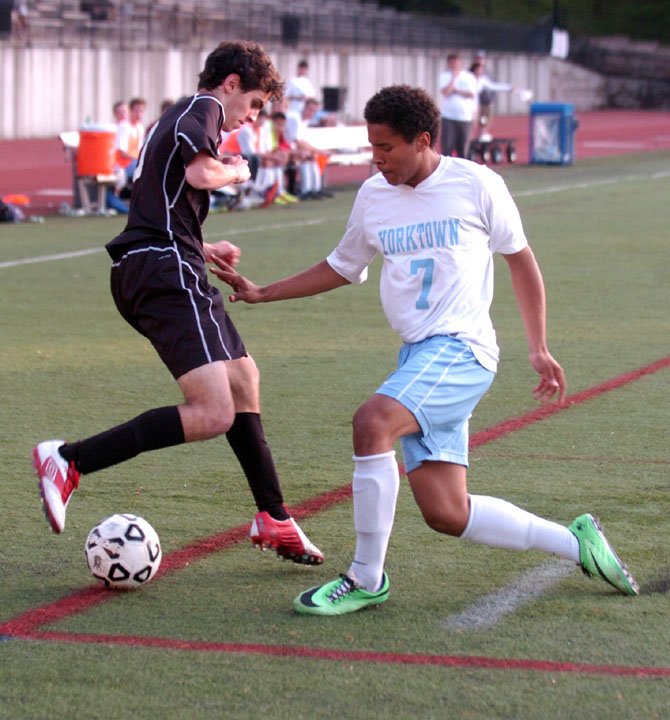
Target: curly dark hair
<point>246,59</point>
<point>407,110</point>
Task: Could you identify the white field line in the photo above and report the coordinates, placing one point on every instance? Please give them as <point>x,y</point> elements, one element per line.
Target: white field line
<point>276,226</point>
<point>623,144</point>
<point>490,609</point>
<point>92,251</point>
<point>54,192</point>
<point>50,258</point>
<point>593,183</point>
<point>319,221</point>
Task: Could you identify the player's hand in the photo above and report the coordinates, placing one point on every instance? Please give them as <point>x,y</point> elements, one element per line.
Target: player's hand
<point>552,378</point>
<point>241,167</point>
<point>223,250</point>
<point>243,288</point>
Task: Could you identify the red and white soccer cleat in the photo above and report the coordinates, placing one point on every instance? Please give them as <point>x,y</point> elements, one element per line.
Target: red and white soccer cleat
<point>56,481</point>
<point>284,537</point>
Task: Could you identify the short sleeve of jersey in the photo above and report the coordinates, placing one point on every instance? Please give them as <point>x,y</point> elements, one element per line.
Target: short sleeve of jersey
<point>354,253</point>
<point>199,129</point>
<point>505,229</point>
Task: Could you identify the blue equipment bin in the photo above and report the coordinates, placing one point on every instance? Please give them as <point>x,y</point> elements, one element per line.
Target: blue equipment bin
<point>552,133</point>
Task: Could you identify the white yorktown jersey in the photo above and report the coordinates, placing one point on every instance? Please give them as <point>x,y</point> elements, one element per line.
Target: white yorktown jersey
<point>437,243</point>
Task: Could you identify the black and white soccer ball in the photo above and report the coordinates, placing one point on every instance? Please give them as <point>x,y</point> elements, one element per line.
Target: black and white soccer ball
<point>123,552</point>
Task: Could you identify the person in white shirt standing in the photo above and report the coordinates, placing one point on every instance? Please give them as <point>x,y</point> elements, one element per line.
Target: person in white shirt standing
<point>299,89</point>
<point>486,90</point>
<point>458,102</point>
<point>436,222</point>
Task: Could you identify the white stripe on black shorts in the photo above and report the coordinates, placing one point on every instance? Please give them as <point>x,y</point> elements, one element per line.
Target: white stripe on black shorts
<point>164,293</point>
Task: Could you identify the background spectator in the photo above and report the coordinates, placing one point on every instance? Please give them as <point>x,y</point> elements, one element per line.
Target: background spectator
<point>486,90</point>
<point>114,201</point>
<point>311,182</point>
<point>130,136</point>
<point>282,142</point>
<point>458,89</point>
<point>299,89</point>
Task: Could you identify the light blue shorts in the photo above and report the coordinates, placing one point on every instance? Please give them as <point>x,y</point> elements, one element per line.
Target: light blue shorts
<point>440,382</point>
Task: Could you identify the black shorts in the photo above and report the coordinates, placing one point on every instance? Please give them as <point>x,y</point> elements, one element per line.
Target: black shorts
<point>164,293</point>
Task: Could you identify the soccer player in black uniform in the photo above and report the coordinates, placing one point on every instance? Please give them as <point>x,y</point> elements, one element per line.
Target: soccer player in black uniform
<point>160,286</point>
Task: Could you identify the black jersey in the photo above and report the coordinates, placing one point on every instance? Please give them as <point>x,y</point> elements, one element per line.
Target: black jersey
<point>163,205</point>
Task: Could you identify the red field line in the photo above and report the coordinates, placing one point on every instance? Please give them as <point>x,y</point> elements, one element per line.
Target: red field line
<point>26,625</point>
<point>571,458</point>
<point>82,600</point>
<point>384,658</point>
<point>541,413</point>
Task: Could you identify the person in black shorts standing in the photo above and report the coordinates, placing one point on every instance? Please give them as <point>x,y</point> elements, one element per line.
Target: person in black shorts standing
<point>160,285</point>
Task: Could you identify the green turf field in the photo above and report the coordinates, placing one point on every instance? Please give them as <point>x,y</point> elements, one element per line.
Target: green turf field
<point>218,637</point>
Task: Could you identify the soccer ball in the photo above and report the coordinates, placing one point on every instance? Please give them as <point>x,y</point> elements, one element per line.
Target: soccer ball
<point>123,552</point>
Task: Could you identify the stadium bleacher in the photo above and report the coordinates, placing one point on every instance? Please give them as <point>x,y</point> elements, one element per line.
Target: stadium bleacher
<point>308,23</point>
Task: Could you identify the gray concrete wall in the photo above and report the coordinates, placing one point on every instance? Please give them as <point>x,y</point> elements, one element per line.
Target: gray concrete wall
<point>45,91</point>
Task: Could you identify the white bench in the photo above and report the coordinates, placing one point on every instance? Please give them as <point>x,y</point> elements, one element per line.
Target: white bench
<point>348,144</point>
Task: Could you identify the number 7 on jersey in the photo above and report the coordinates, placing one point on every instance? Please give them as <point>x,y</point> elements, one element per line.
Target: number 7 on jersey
<point>427,267</point>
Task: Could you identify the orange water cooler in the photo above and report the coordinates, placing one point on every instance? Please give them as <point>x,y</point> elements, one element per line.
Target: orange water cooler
<point>97,150</point>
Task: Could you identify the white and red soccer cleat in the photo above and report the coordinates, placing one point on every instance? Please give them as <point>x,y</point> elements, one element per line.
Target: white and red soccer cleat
<point>57,480</point>
<point>284,537</point>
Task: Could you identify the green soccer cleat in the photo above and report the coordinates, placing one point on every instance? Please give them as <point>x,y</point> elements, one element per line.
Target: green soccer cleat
<point>339,597</point>
<point>597,557</point>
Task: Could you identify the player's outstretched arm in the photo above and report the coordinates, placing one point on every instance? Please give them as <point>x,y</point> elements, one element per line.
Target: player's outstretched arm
<point>530,295</point>
<point>314,280</point>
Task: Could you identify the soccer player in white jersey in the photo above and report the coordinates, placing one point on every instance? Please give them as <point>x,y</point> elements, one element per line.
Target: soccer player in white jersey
<point>436,221</point>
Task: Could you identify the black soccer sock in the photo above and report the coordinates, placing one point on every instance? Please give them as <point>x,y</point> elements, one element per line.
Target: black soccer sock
<point>291,178</point>
<point>248,442</point>
<point>152,430</point>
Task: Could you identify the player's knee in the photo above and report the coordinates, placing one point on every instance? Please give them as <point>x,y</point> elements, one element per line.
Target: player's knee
<point>220,425</point>
<point>245,380</point>
<point>222,422</point>
<point>205,423</point>
<point>448,521</point>
<point>369,427</point>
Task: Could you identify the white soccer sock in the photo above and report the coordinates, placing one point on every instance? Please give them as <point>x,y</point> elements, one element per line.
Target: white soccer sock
<point>306,178</point>
<point>375,490</point>
<point>263,179</point>
<point>316,176</point>
<point>500,524</point>
<point>279,179</point>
